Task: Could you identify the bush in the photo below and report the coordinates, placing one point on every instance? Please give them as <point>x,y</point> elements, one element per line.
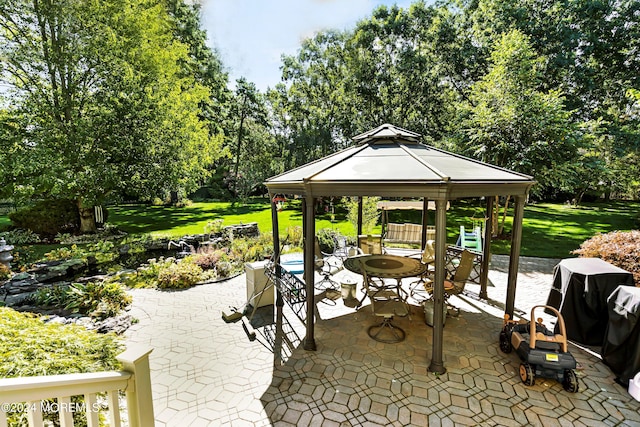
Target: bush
<point>20,237</point>
<point>251,249</point>
<point>97,299</point>
<point>102,252</point>
<point>180,275</point>
<point>620,248</point>
<point>5,272</point>
<point>207,260</point>
<point>294,236</point>
<point>30,347</point>
<point>48,217</point>
<point>326,239</point>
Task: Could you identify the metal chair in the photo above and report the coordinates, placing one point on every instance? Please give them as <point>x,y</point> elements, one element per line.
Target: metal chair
<point>419,287</point>
<point>326,265</point>
<point>455,285</point>
<point>370,244</point>
<point>385,303</point>
<point>340,247</point>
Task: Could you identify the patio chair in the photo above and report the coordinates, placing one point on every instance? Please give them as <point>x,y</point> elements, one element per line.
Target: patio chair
<point>340,247</point>
<point>326,265</point>
<point>385,303</point>
<point>370,244</point>
<point>455,285</point>
<point>419,287</point>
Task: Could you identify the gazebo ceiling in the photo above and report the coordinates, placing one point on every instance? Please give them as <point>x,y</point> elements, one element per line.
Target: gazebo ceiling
<point>393,162</point>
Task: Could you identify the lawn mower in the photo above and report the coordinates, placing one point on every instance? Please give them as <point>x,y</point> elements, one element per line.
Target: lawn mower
<point>542,352</point>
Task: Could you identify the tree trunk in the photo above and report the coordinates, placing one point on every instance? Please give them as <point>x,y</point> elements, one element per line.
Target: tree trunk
<point>238,147</point>
<point>87,219</point>
<point>504,214</point>
<point>494,216</point>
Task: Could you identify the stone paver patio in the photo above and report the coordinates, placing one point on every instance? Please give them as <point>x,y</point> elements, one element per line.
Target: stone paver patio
<point>206,372</point>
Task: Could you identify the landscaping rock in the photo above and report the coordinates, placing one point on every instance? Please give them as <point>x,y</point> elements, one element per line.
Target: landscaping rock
<point>118,324</point>
<point>48,271</point>
<point>24,283</point>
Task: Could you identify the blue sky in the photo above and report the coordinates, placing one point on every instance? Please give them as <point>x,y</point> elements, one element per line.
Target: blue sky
<point>251,35</point>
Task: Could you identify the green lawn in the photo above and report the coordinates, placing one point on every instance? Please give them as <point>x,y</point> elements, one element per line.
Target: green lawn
<point>159,220</point>
<point>550,230</point>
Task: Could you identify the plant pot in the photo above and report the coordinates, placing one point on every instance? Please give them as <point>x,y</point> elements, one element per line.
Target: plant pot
<point>429,311</point>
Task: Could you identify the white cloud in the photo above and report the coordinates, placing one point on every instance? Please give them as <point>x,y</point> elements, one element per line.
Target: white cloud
<point>251,35</point>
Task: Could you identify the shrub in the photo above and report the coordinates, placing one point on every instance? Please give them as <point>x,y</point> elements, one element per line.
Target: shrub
<point>146,276</point>
<point>326,239</point>
<point>5,272</point>
<point>180,275</point>
<point>97,299</point>
<point>51,296</point>
<point>19,236</point>
<point>214,226</point>
<point>620,248</point>
<point>30,347</point>
<point>294,236</point>
<point>102,251</point>
<point>208,259</point>
<point>48,217</point>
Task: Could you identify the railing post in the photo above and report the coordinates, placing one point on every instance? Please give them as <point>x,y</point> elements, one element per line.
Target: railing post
<point>139,398</point>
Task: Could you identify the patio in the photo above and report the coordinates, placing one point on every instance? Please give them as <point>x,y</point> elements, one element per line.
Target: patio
<point>206,372</point>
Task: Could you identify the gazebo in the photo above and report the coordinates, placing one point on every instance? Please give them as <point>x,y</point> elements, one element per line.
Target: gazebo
<point>389,161</point>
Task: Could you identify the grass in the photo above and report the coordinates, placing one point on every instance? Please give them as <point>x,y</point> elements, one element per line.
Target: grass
<point>192,219</point>
<point>550,230</point>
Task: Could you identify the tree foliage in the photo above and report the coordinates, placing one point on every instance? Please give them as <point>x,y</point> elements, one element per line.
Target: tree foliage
<point>510,122</point>
<point>99,104</point>
<point>547,87</point>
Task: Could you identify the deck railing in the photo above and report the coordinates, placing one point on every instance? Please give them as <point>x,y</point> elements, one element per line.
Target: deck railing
<point>53,393</point>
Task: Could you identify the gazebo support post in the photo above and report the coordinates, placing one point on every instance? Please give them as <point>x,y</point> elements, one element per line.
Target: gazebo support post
<point>486,249</point>
<point>276,245</point>
<point>309,232</point>
<point>425,222</point>
<point>514,259</point>
<point>360,217</point>
<point>437,365</point>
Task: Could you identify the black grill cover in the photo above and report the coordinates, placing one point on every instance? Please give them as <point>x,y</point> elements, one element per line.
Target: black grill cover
<point>621,348</point>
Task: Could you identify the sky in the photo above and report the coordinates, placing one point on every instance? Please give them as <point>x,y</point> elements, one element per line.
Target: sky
<point>251,35</point>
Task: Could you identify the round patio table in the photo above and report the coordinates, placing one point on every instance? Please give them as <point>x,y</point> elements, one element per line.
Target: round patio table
<point>386,266</point>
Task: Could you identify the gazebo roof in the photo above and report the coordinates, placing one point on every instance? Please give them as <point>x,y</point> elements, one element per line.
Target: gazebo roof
<point>393,162</point>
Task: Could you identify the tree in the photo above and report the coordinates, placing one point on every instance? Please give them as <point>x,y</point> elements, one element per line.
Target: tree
<point>343,83</point>
<point>103,105</point>
<point>203,63</point>
<point>314,104</point>
<point>591,51</point>
<point>249,135</point>
<point>511,123</point>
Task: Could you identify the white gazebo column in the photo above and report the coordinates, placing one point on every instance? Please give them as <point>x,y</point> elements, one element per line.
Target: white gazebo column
<point>437,364</point>
<point>309,233</point>
<point>514,259</point>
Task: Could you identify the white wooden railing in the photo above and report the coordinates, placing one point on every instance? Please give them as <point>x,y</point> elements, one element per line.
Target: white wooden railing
<point>33,395</point>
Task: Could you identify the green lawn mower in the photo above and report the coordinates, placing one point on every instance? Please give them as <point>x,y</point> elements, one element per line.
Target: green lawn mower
<point>542,352</point>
